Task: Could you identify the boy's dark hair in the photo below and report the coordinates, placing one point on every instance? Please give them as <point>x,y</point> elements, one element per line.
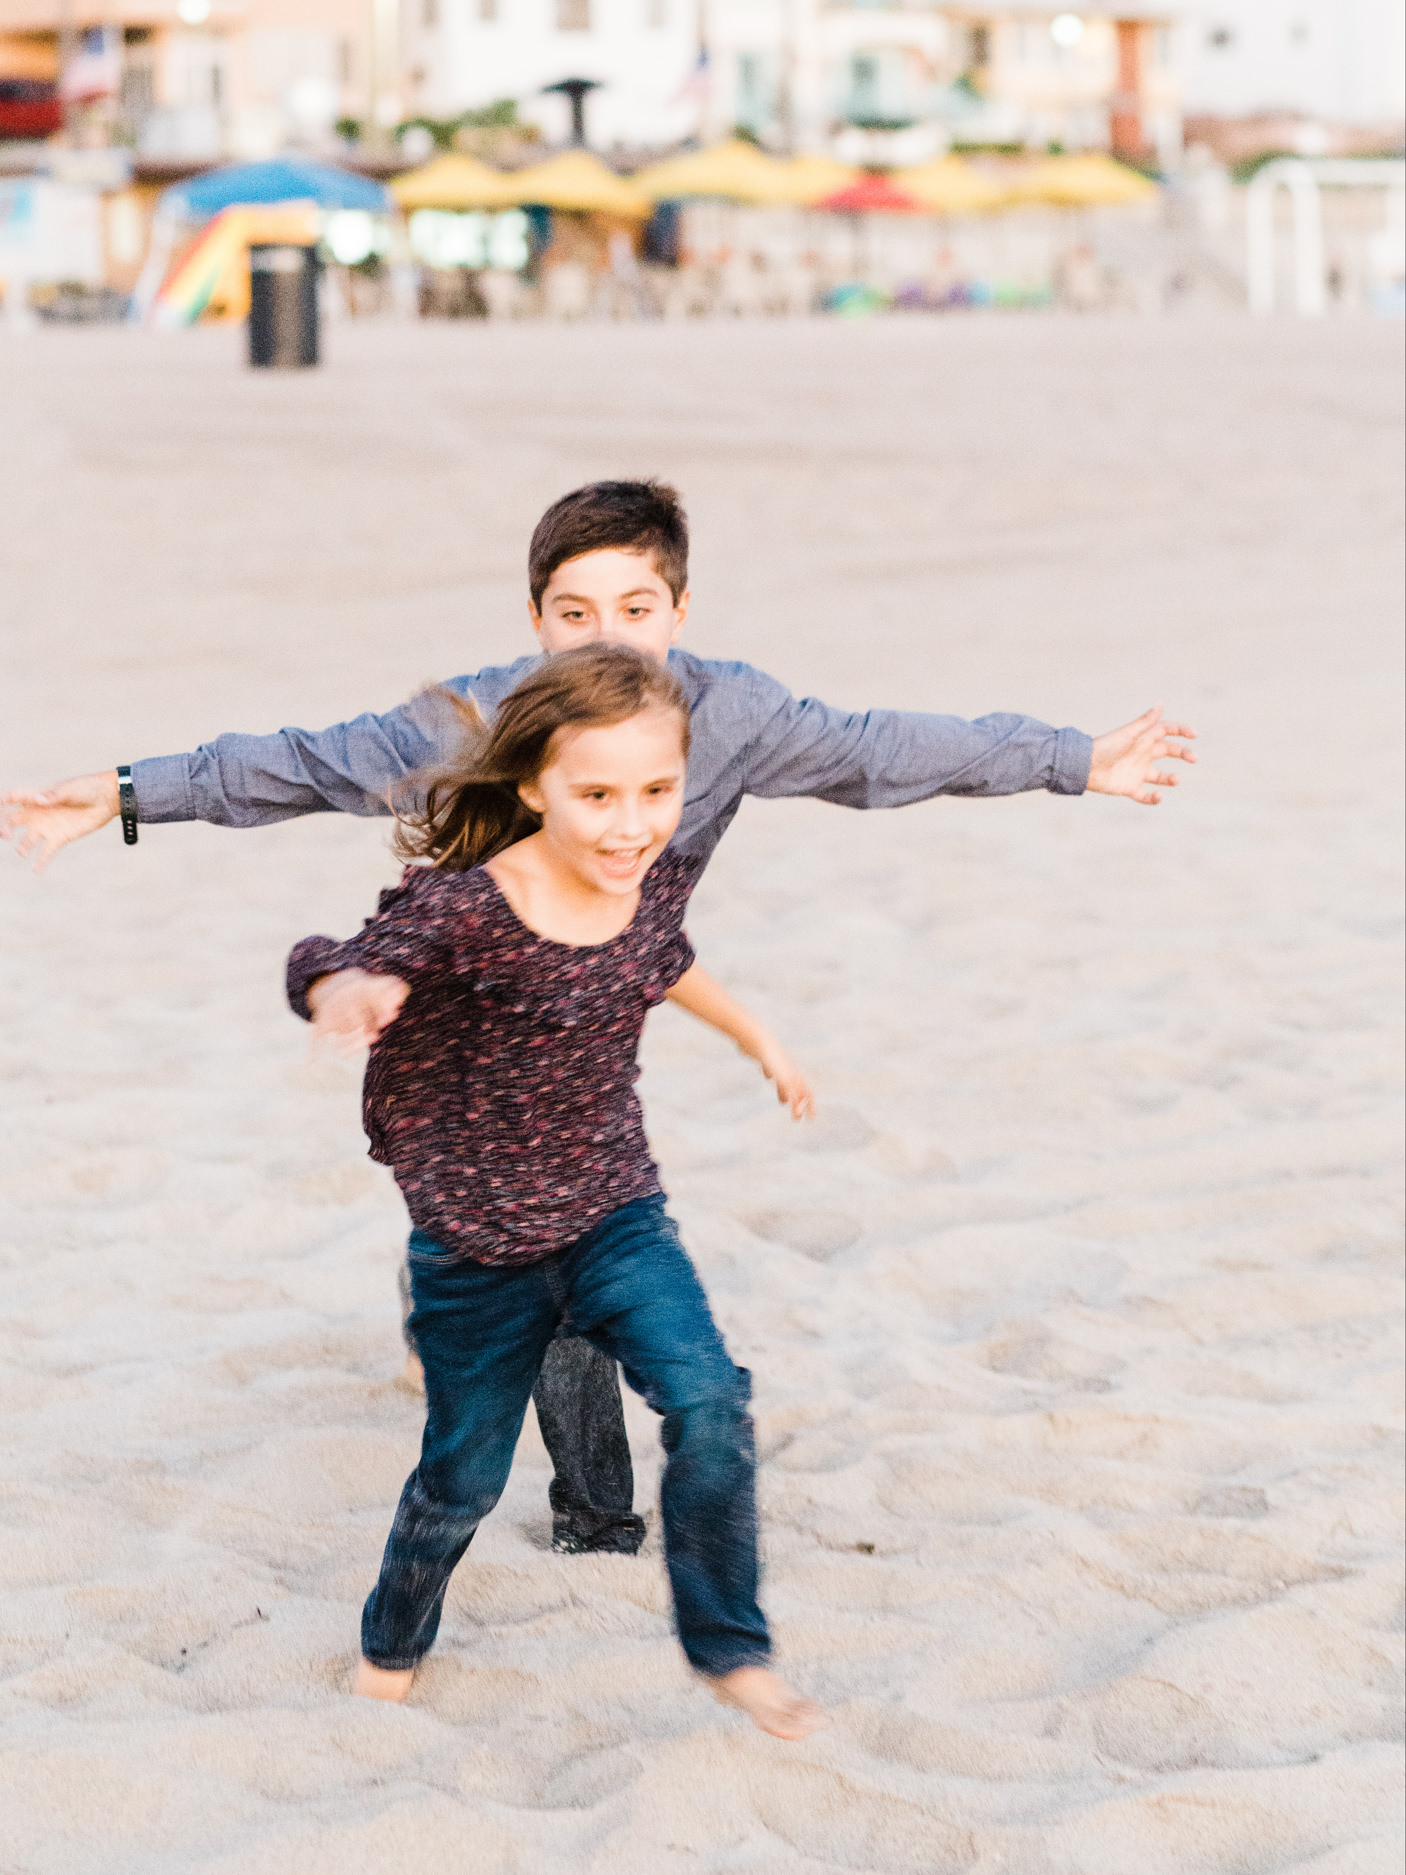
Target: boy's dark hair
<point>635,517</point>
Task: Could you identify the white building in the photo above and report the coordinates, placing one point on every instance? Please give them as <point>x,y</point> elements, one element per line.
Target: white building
<point>796,72</point>
<point>1340,61</point>
<point>463,54</point>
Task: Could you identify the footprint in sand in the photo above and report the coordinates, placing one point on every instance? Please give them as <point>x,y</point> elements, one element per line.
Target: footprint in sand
<point>836,1129</point>
<point>825,1815</point>
<point>115,1177</point>
<point>1032,1353</point>
<point>819,1235</point>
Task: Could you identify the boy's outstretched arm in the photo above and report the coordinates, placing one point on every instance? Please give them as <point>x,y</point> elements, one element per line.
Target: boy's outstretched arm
<point>889,758</point>
<point>696,992</point>
<point>38,821</point>
<point>252,781</point>
<point>1129,760</point>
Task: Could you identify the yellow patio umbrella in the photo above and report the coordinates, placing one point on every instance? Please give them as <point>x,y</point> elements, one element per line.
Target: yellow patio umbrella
<point>949,186</point>
<point>577,181</point>
<point>1081,182</point>
<point>806,180</point>
<point>453,182</point>
<point>736,170</point>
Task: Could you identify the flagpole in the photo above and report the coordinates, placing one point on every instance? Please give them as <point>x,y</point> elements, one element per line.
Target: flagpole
<point>68,32</point>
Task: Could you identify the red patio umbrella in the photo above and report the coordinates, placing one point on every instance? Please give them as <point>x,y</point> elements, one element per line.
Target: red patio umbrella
<point>872,192</point>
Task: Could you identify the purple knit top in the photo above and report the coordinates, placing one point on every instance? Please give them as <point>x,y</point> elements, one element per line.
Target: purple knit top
<point>503,1095</point>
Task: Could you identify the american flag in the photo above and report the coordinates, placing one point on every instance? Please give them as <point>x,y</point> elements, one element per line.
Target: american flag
<point>95,70</point>
<point>699,79</point>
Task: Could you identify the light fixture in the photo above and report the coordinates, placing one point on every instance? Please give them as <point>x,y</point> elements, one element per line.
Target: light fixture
<point>193,12</point>
<point>1066,29</point>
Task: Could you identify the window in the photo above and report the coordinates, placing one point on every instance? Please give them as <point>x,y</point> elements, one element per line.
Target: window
<point>573,16</point>
<point>756,91</point>
<point>879,89</point>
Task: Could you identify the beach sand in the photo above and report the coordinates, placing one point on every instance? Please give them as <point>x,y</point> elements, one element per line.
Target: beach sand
<point>1073,1318</point>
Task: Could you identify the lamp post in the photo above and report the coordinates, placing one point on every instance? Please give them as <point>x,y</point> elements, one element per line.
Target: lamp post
<point>576,90</point>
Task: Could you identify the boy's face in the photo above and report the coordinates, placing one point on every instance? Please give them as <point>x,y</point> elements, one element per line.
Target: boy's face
<point>613,596</point>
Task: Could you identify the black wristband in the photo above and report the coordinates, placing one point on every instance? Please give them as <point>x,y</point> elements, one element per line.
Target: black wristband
<point>127,804</point>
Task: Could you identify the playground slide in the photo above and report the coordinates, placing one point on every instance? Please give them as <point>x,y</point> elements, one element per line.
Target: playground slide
<point>211,280</point>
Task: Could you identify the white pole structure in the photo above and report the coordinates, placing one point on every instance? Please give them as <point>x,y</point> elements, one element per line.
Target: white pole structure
<point>1310,294</point>
<point>1303,180</point>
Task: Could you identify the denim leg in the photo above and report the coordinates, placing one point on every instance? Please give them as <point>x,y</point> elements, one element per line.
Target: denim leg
<point>577,1397</point>
<point>631,1289</point>
<point>481,1334</point>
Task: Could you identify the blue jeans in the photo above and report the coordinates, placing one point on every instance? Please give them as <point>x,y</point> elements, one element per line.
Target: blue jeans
<point>629,1288</point>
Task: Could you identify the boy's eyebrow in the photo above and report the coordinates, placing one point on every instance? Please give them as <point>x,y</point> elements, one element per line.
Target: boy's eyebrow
<point>578,598</point>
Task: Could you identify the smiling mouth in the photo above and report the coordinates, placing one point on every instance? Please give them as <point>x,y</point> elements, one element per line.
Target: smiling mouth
<point>621,865</point>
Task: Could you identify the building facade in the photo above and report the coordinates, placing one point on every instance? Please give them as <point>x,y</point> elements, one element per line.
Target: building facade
<point>1340,62</point>
<point>190,80</point>
<point>459,55</point>
<point>797,74</point>
<point>804,73</point>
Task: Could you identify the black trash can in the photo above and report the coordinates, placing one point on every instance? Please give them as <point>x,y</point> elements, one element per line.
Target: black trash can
<point>282,304</point>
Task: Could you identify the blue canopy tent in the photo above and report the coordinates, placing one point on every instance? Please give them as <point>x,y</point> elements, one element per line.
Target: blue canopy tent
<point>281,179</point>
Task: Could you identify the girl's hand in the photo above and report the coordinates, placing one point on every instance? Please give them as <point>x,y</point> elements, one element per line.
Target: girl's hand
<point>792,1087</point>
<point>351,1007</point>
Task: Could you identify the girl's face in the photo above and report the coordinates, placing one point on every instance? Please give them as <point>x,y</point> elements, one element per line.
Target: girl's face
<point>610,798</point>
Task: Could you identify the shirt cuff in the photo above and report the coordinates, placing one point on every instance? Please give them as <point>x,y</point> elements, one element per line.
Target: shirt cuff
<point>162,786</point>
<point>1074,754</point>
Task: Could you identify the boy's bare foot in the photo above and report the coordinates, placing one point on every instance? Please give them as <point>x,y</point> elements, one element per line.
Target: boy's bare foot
<point>768,1702</point>
<point>382,1682</point>
<point>413,1375</point>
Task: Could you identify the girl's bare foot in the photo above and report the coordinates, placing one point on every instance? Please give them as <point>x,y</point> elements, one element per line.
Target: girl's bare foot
<point>413,1376</point>
<point>382,1682</point>
<point>768,1702</point>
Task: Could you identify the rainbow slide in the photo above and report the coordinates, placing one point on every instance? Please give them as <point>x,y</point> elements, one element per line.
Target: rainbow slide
<point>211,279</point>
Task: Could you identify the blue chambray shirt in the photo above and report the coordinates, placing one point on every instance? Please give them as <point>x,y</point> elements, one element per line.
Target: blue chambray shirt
<point>750,736</point>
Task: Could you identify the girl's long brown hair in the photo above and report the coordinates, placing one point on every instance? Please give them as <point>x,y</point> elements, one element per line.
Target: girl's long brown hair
<point>464,812</point>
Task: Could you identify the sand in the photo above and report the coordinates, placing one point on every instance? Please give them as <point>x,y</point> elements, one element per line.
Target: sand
<point>1073,1318</point>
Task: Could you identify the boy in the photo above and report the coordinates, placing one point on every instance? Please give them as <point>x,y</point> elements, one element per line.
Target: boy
<point>610,561</point>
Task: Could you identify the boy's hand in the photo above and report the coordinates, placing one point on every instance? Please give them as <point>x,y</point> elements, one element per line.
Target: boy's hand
<point>41,820</point>
<point>351,1007</point>
<point>1126,760</point>
<point>792,1087</point>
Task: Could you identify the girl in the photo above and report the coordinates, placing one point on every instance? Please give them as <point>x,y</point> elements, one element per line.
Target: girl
<point>503,990</point>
